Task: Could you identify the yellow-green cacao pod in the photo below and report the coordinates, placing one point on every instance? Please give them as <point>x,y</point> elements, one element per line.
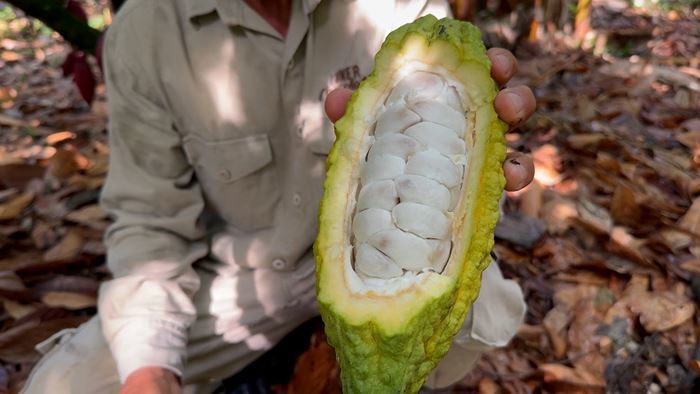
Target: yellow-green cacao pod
<point>409,207</point>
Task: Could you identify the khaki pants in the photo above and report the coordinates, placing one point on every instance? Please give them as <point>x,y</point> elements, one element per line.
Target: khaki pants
<point>234,327</point>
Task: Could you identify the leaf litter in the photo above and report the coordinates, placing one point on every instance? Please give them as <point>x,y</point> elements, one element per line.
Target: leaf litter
<point>605,243</point>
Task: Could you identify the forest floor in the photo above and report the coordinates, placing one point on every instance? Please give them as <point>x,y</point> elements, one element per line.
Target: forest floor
<point>605,243</point>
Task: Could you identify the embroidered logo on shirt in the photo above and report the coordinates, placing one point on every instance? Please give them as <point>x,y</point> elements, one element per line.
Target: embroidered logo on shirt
<point>348,77</point>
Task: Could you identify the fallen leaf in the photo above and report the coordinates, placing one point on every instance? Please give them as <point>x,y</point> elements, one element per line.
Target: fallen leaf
<point>43,235</point>
<point>691,220</point>
<point>63,164</point>
<point>19,175</point>
<point>7,194</point>
<point>58,137</point>
<point>69,247</point>
<point>692,265</point>
<point>674,240</point>
<point>99,165</point>
<point>594,216</point>
<point>68,300</point>
<point>563,374</point>
<point>558,213</point>
<point>316,371</point>
<point>9,281</point>
<point>624,207</point>
<point>18,310</point>
<point>19,260</point>
<point>13,208</point>
<point>10,56</point>
<point>91,216</point>
<point>581,141</point>
<point>488,386</point>
<point>690,139</point>
<point>623,243</point>
<point>661,312</point>
<point>556,322</point>
<point>85,182</point>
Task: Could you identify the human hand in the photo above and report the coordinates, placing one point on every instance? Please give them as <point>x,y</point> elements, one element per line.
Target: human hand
<point>514,106</point>
<point>151,380</point>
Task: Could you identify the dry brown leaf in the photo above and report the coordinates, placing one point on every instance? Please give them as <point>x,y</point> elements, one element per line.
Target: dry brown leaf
<point>673,239</point>
<point>695,366</point>
<point>68,300</point>
<point>594,216</point>
<point>657,310</point>
<point>663,311</point>
<point>558,213</point>
<point>488,386</point>
<point>10,56</point>
<point>9,281</point>
<point>18,310</point>
<point>63,164</point>
<point>691,220</point>
<point>581,141</point>
<point>69,247</point>
<point>609,163</point>
<point>623,243</point>
<point>691,266</point>
<point>13,208</point>
<point>624,207</point>
<point>585,108</point>
<point>555,322</point>
<point>7,194</point>
<point>316,371</point>
<point>690,139</point>
<point>43,235</point>
<point>85,182</point>
<point>91,215</point>
<point>563,374</point>
<point>60,136</point>
<point>99,166</point>
<point>570,295</point>
<point>19,260</point>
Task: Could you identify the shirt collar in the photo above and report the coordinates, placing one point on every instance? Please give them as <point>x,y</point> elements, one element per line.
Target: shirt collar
<point>230,10</point>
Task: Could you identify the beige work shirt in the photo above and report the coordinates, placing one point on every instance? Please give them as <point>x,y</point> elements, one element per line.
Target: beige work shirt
<point>218,147</point>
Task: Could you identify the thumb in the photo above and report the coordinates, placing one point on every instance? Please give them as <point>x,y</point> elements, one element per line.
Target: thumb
<point>335,104</point>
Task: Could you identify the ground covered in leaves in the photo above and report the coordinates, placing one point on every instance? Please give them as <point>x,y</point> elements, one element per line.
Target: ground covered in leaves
<point>605,243</point>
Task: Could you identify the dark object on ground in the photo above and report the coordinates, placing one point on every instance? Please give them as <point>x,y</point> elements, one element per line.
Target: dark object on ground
<point>274,367</point>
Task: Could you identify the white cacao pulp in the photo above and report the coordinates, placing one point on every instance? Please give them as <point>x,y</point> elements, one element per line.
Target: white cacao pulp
<point>411,180</point>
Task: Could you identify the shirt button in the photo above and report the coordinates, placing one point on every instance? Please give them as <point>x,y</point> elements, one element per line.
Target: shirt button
<point>296,199</point>
<point>225,174</point>
<point>279,264</point>
<point>300,129</point>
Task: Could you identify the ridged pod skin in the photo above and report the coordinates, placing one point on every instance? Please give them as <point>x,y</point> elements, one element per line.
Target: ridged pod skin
<point>389,343</point>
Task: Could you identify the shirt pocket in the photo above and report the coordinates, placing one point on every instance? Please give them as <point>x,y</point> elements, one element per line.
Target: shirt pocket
<point>238,177</point>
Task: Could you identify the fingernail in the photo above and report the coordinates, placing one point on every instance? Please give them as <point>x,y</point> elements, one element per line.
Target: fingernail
<point>504,63</point>
<point>517,104</point>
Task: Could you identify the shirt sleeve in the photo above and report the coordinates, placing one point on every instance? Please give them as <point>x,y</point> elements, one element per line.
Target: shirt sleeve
<point>154,200</point>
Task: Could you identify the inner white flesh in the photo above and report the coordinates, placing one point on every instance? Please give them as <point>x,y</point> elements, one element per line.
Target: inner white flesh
<point>410,180</point>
